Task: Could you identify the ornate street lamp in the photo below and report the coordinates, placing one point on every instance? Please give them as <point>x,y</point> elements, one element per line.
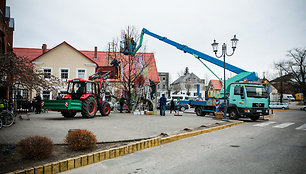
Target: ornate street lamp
<point>224,52</point>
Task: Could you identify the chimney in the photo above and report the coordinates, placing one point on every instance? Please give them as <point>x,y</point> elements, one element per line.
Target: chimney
<point>96,53</point>
<point>44,48</point>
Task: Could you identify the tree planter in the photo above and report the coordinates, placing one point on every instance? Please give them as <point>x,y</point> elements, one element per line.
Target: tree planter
<point>219,115</point>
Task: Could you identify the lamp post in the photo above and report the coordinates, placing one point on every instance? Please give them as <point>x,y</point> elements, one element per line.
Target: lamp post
<point>224,53</point>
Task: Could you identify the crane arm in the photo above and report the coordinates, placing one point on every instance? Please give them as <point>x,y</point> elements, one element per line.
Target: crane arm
<point>189,50</point>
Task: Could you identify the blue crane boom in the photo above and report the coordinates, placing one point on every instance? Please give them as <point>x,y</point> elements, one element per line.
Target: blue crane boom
<point>242,74</point>
<point>191,51</point>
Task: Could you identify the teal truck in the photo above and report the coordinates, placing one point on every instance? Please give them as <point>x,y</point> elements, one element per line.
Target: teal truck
<point>244,97</point>
<point>244,100</point>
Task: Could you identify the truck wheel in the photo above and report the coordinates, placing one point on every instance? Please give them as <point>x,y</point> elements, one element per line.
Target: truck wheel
<point>233,114</point>
<point>89,107</point>
<point>254,117</point>
<point>68,114</point>
<point>198,111</point>
<point>105,109</point>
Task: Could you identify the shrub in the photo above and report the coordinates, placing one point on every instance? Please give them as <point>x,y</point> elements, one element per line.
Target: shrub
<point>80,139</point>
<point>35,147</point>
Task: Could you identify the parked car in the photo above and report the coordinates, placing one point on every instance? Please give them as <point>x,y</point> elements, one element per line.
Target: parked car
<point>278,105</point>
<point>183,107</point>
<point>303,108</point>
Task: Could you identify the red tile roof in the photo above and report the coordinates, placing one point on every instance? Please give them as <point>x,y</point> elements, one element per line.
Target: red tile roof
<point>216,84</point>
<point>34,53</point>
<point>31,53</point>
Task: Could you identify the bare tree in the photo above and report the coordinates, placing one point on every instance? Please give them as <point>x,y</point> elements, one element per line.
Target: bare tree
<point>295,67</point>
<point>278,67</point>
<point>14,69</point>
<point>133,67</point>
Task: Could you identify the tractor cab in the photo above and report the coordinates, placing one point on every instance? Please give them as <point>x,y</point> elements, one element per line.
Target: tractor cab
<point>127,46</point>
<point>81,89</point>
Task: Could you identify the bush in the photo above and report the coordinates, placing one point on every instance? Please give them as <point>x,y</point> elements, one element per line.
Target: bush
<point>35,147</point>
<point>80,139</point>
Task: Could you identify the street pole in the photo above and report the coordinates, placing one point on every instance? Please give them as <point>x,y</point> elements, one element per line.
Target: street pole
<point>224,53</point>
<point>225,101</point>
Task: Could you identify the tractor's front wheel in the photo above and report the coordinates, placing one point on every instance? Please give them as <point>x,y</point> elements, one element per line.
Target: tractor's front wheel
<point>105,109</point>
<point>89,108</point>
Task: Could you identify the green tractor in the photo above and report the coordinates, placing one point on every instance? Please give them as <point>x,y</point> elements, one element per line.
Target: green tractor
<point>85,96</point>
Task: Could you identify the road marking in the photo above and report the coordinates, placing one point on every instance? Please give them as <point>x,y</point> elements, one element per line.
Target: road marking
<point>303,127</point>
<point>264,124</point>
<point>283,125</point>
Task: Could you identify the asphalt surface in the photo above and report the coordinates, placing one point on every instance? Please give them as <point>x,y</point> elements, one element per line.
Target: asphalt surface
<point>274,146</point>
<point>116,127</point>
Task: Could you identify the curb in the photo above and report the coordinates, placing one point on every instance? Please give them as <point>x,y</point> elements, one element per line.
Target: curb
<point>72,163</point>
<point>269,116</point>
<point>284,110</point>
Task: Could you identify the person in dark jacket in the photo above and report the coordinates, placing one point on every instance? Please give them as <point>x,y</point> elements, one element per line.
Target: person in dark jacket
<point>172,106</point>
<point>162,102</point>
<point>121,102</point>
<point>59,97</point>
<point>38,103</point>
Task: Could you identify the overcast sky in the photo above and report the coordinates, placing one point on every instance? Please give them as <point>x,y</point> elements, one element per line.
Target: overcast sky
<point>266,29</point>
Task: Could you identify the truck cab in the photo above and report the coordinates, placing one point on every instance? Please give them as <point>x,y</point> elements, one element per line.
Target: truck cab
<point>247,100</point>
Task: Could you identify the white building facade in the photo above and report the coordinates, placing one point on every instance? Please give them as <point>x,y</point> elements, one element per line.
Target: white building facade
<point>187,85</point>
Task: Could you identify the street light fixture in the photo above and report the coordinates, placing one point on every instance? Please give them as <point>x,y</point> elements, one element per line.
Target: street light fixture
<point>224,52</point>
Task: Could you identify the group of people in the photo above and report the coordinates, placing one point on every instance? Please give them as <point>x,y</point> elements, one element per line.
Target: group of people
<point>163,102</point>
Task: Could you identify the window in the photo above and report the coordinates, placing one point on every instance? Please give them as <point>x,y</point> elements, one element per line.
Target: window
<point>237,90</point>
<point>47,73</point>
<point>46,95</point>
<point>81,73</point>
<point>256,91</point>
<point>64,73</point>
<point>88,88</point>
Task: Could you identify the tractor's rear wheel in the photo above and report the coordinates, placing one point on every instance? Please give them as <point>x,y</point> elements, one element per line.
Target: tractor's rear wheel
<point>68,114</point>
<point>105,109</point>
<point>89,108</point>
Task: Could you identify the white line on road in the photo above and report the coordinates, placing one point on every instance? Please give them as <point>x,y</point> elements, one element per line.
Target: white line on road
<point>283,125</point>
<point>264,124</point>
<point>303,127</point>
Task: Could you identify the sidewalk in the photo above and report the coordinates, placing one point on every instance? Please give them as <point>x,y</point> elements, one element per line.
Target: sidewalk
<point>116,127</point>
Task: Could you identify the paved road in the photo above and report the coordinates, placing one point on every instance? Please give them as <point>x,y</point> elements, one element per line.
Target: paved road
<point>274,146</point>
<point>112,128</point>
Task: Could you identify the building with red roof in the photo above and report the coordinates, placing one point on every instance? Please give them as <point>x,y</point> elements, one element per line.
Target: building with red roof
<point>214,87</point>
<point>66,62</point>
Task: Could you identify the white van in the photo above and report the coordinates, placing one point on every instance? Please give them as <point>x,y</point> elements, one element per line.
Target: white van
<point>288,97</point>
<point>183,97</point>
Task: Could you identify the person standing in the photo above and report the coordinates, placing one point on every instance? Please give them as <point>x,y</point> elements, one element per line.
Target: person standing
<point>121,102</point>
<point>59,97</point>
<point>162,103</point>
<point>172,106</point>
<point>38,103</point>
